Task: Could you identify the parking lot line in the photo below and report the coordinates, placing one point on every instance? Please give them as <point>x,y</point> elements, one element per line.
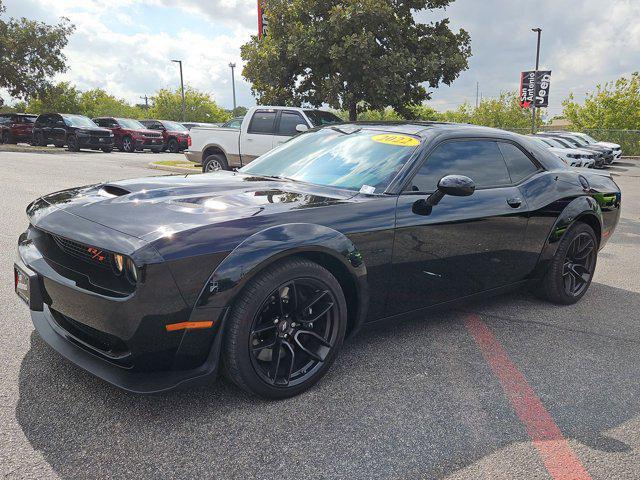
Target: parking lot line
<point>559,459</point>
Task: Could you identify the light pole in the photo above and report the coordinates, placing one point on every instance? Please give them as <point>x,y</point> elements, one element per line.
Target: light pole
<point>233,86</point>
<point>184,108</point>
<point>533,105</point>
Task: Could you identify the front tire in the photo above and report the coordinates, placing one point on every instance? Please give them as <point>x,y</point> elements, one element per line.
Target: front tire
<point>572,268</point>
<point>173,146</point>
<point>285,329</point>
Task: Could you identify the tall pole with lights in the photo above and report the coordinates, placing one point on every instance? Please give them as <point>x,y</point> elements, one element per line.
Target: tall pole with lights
<point>184,107</point>
<point>533,105</point>
<point>233,85</point>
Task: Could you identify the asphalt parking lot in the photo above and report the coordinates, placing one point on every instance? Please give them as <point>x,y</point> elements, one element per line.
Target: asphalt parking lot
<point>505,388</point>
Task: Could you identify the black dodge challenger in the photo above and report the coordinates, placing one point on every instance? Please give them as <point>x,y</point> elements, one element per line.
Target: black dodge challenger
<point>159,282</point>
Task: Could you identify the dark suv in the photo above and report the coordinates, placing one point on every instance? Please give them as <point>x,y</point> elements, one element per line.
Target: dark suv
<point>130,135</point>
<point>74,131</point>
<point>176,136</point>
<point>16,127</point>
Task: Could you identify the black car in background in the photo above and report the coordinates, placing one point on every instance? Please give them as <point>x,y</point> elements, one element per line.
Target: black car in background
<point>156,282</point>
<point>16,127</point>
<point>74,131</point>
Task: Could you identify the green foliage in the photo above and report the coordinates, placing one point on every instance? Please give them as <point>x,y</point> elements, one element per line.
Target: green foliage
<point>200,107</point>
<point>98,103</point>
<point>503,112</point>
<point>62,98</point>
<point>30,53</point>
<point>355,56</point>
<point>616,105</point>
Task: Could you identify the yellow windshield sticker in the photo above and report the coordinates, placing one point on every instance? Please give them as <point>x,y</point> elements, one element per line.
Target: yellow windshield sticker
<point>399,140</point>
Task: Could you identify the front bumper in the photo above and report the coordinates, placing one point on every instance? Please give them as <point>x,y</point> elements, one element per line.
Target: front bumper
<point>149,143</point>
<point>120,340</point>
<point>95,142</point>
<point>195,157</point>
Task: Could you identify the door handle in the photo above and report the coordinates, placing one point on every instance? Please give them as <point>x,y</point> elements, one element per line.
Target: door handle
<point>514,202</point>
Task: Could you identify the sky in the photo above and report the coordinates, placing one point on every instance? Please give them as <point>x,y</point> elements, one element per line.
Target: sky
<point>125,46</point>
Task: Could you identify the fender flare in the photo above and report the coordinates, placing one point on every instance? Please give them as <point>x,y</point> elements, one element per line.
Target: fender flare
<point>579,209</point>
<point>216,146</point>
<point>274,243</point>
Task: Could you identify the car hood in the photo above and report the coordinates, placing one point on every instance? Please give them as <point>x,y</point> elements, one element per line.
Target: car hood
<point>155,207</point>
<point>565,151</point>
<point>608,145</point>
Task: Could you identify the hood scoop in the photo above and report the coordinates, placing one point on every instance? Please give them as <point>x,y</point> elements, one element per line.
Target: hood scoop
<point>113,191</point>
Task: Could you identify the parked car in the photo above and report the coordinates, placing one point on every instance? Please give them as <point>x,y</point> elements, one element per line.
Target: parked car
<point>130,135</point>
<point>175,135</point>
<point>233,123</point>
<point>571,156</point>
<point>190,125</point>
<point>617,149</point>
<point>576,142</point>
<point>16,127</point>
<point>153,283</point>
<point>262,129</point>
<point>74,131</point>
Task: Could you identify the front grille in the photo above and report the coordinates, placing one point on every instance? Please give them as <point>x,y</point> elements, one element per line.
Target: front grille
<point>86,253</point>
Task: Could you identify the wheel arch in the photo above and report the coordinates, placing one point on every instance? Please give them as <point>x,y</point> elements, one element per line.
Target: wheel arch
<point>213,149</point>
<point>581,209</point>
<point>320,244</point>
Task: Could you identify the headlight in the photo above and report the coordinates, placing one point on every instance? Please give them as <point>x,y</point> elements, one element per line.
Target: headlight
<point>118,263</point>
<point>132,271</point>
<point>572,155</point>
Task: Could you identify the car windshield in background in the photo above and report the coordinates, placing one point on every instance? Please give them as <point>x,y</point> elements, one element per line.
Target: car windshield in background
<point>552,142</point>
<point>332,157</point>
<point>319,118</point>
<point>589,138</point>
<point>176,127</point>
<point>79,121</point>
<point>130,124</point>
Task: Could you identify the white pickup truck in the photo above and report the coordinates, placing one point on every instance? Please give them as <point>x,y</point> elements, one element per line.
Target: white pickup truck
<point>262,128</point>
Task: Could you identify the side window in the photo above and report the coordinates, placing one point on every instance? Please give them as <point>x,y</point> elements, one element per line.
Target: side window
<point>518,164</point>
<point>480,160</point>
<point>288,123</point>
<point>99,121</point>
<point>44,120</point>
<point>263,122</point>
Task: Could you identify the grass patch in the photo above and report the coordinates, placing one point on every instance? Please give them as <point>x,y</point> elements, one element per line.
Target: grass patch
<point>178,163</point>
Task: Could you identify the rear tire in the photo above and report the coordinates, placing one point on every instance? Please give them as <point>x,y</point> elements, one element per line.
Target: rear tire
<point>215,163</point>
<point>4,137</point>
<point>107,150</point>
<point>572,268</point>
<point>128,144</point>
<point>38,140</point>
<point>263,354</point>
<point>72,144</point>
<point>174,146</point>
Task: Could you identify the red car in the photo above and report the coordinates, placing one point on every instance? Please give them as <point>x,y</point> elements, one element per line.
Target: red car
<point>16,127</point>
<point>176,136</point>
<point>130,135</point>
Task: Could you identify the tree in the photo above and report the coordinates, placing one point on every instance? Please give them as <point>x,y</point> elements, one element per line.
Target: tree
<point>98,103</point>
<point>31,53</point>
<point>503,112</point>
<point>62,98</point>
<point>616,105</point>
<point>200,107</point>
<point>355,56</point>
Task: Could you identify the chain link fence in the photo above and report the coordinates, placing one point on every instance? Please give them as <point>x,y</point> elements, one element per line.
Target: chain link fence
<point>629,140</point>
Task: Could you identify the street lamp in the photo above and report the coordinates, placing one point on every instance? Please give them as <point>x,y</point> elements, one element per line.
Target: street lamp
<point>233,86</point>
<point>184,108</point>
<point>533,106</point>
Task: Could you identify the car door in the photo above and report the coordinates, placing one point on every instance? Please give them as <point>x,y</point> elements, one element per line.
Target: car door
<point>286,126</point>
<point>58,129</point>
<point>463,245</point>
<point>258,138</point>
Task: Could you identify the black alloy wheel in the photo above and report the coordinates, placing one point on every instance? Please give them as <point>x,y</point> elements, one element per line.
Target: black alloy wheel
<point>5,137</point>
<point>174,147</point>
<point>280,341</point>
<point>38,140</point>
<point>72,144</point>
<point>579,264</point>
<point>572,268</point>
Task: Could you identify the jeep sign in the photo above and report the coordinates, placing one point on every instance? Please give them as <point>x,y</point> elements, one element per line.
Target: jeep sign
<point>534,89</point>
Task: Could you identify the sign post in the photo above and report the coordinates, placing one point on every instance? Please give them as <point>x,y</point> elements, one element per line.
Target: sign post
<point>533,107</point>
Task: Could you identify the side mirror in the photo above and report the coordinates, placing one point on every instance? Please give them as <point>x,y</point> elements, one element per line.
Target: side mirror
<point>301,127</point>
<point>454,185</point>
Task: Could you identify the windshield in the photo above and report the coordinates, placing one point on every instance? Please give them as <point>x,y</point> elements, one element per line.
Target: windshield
<point>552,142</point>
<point>319,118</point>
<point>130,124</point>
<point>588,138</point>
<point>173,126</point>
<point>350,160</point>
<point>78,121</point>
<point>577,141</point>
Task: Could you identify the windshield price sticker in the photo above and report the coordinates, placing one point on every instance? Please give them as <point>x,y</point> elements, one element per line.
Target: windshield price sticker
<point>368,190</point>
<point>399,140</point>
